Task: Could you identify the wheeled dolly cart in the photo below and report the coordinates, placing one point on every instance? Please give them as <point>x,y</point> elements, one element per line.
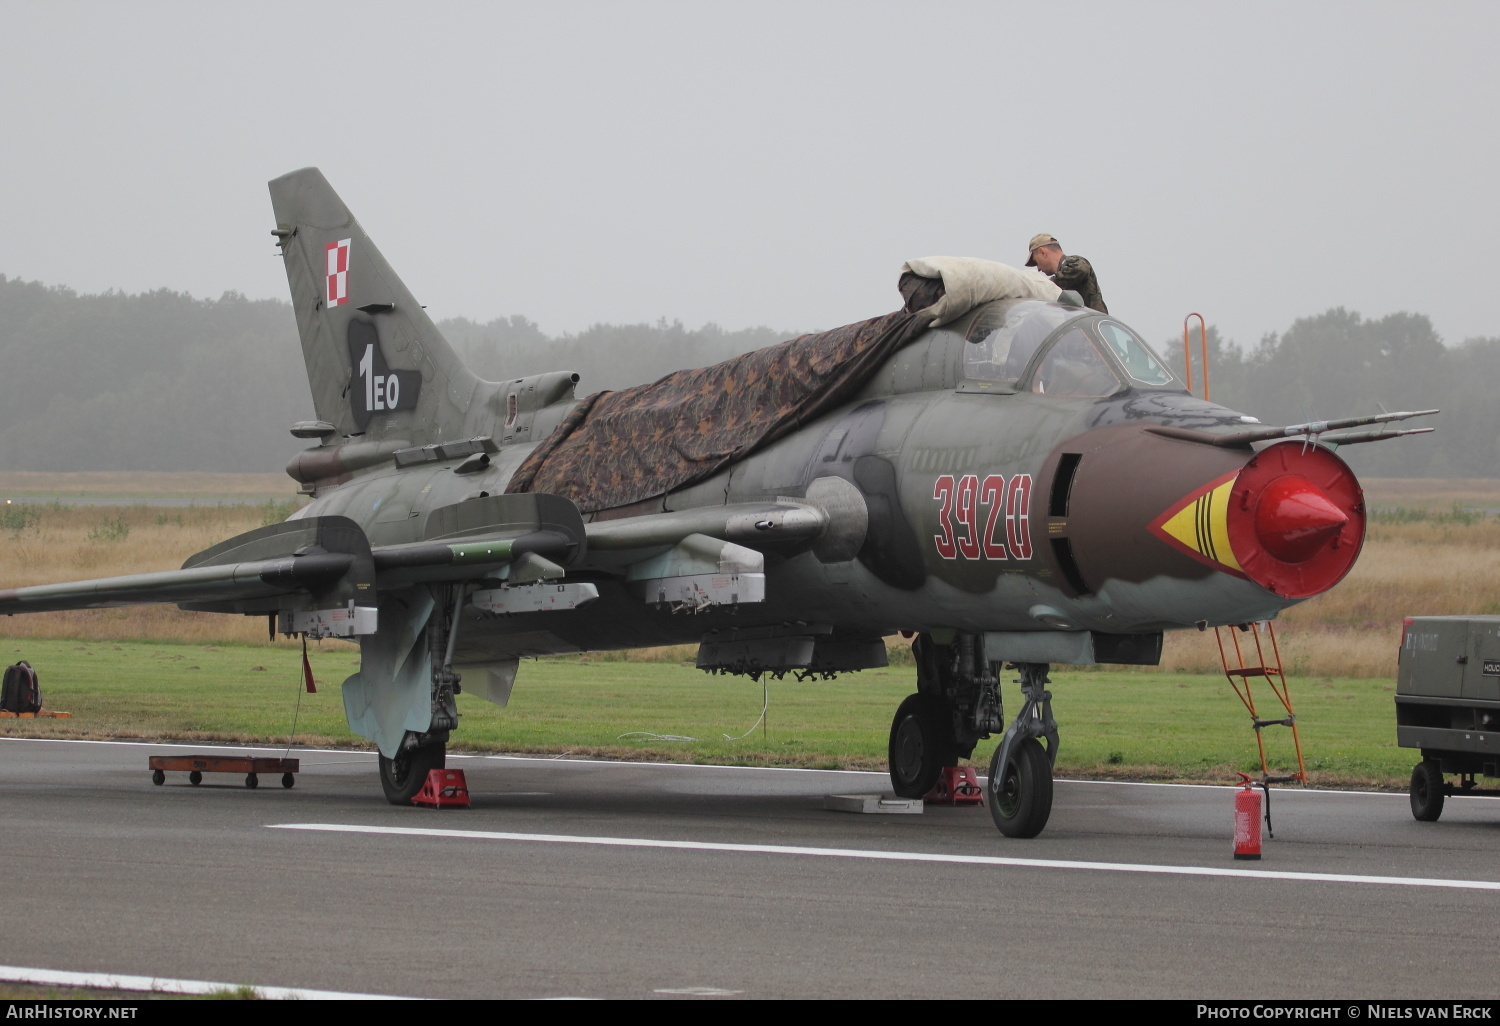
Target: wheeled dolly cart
<point>197,765</point>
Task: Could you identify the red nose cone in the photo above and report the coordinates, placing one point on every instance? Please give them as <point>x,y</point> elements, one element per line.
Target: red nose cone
<point>1295,520</point>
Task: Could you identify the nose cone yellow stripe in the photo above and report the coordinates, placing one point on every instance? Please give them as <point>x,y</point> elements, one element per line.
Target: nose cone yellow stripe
<point>1201,525</point>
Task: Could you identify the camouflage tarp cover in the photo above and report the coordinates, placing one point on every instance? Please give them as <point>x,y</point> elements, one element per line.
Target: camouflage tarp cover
<point>619,448</point>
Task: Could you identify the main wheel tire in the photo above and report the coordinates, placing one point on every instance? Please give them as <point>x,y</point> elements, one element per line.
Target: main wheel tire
<point>1427,790</point>
<point>1020,797</point>
<point>921,745</point>
<point>402,777</point>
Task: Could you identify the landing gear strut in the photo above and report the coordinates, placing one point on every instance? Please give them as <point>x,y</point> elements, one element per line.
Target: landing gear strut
<point>402,777</point>
<point>957,703</point>
<point>1020,797</point>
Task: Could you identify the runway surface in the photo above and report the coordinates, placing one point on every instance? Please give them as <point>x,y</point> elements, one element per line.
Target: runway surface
<point>591,879</point>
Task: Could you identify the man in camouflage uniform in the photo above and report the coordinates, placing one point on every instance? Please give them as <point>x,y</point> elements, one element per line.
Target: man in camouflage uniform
<point>1066,272</point>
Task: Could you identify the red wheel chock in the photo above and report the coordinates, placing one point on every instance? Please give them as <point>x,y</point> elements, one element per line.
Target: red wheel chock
<point>444,787</point>
<point>956,786</point>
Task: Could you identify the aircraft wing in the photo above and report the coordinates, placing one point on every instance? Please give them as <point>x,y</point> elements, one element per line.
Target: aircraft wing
<point>322,575</point>
<point>256,579</point>
<point>321,571</point>
<point>321,562</point>
<point>711,555</point>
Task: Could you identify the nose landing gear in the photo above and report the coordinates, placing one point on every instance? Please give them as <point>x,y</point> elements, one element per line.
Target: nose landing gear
<point>1021,770</point>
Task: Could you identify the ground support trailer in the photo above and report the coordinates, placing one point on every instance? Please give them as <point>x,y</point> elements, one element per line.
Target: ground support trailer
<point>1448,705</point>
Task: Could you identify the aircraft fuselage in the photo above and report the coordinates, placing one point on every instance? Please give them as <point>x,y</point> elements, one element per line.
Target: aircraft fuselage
<point>989,509</point>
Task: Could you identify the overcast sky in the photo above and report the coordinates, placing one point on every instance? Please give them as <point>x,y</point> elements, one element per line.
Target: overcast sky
<point>769,163</point>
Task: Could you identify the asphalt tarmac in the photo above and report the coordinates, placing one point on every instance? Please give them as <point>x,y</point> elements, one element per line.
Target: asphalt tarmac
<point>615,880</point>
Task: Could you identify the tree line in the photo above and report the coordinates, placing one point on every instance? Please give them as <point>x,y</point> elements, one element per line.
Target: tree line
<point>1337,364</point>
<point>163,381</point>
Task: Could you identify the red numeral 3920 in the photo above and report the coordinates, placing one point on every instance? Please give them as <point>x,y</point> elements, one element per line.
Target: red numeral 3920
<point>961,533</point>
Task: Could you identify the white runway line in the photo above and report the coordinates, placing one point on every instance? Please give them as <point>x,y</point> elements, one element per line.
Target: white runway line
<point>900,856</point>
<point>163,985</point>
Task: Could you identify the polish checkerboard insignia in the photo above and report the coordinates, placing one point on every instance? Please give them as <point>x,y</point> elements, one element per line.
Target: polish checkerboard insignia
<point>338,272</point>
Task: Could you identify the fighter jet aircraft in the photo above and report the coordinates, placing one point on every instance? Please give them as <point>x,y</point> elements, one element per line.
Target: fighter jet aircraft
<point>1014,479</point>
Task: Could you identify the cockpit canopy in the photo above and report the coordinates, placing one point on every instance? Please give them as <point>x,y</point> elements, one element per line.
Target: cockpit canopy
<point>1053,349</point>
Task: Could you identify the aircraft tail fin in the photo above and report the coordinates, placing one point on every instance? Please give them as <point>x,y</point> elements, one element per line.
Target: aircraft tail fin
<point>377,365</point>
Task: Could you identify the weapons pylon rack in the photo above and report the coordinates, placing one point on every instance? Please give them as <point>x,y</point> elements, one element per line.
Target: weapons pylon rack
<point>1267,664</point>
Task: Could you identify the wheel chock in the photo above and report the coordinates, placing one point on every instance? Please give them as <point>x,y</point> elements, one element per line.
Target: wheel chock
<point>957,785</point>
<point>444,787</point>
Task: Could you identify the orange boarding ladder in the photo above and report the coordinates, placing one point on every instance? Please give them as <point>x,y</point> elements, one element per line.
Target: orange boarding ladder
<point>1240,674</point>
<point>1187,351</point>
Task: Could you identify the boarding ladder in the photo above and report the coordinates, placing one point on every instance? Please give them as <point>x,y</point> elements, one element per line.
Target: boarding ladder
<point>1241,672</point>
<point>1187,351</point>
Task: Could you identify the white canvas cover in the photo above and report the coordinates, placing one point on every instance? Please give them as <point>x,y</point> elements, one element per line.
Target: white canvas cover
<point>969,282</point>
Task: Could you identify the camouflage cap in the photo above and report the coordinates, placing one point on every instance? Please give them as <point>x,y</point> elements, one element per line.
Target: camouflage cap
<point>1037,242</point>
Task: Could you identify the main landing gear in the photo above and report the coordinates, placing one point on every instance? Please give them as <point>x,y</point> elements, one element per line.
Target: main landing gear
<point>956,705</point>
<point>922,743</point>
<point>402,777</point>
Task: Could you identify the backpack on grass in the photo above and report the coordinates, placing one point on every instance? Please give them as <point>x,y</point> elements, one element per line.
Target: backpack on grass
<point>19,692</point>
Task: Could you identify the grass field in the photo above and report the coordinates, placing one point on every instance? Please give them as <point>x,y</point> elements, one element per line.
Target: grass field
<point>156,672</point>
<point>35,992</point>
<point>1158,726</point>
<point>208,488</point>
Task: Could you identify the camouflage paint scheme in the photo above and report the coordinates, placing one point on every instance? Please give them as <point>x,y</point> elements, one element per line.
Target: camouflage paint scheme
<point>900,489</point>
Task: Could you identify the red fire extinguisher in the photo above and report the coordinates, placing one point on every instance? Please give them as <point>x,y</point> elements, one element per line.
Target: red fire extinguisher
<point>1246,821</point>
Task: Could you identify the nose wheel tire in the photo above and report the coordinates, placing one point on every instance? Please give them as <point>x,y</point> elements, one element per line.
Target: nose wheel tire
<point>402,777</point>
<point>921,745</point>
<point>1020,797</point>
<point>1427,790</point>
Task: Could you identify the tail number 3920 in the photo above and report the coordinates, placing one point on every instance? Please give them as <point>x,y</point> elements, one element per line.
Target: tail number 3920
<point>1009,510</point>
